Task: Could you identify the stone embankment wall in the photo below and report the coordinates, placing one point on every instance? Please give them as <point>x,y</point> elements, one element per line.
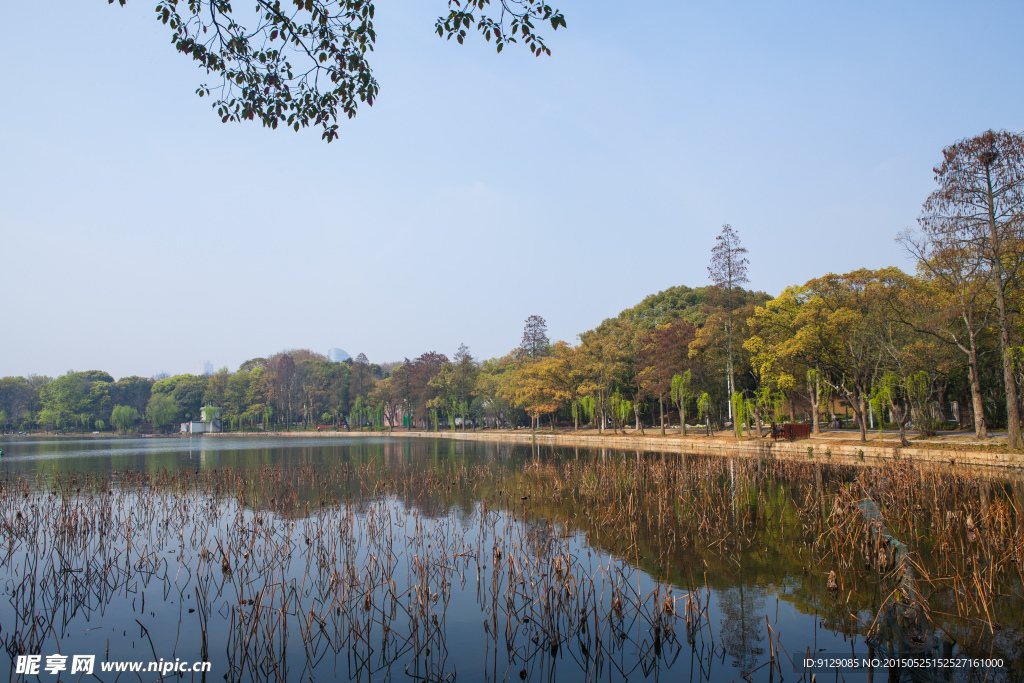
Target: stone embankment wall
<point>818,450</point>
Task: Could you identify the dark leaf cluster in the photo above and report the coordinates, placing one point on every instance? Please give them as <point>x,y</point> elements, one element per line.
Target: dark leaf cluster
<point>299,63</point>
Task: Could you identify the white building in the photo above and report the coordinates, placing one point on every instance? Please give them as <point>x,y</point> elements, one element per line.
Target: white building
<point>209,422</point>
<point>337,355</point>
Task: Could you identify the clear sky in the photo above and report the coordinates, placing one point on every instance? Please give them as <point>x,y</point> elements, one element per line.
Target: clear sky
<point>140,235</point>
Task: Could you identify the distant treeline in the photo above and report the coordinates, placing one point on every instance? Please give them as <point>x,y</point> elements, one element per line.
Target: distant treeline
<point>939,348</point>
<point>856,339</point>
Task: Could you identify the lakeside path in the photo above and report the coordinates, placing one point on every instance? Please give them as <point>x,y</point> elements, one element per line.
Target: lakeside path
<point>830,446</point>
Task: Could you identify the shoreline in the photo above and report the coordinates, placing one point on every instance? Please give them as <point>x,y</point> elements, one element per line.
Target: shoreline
<point>821,449</point>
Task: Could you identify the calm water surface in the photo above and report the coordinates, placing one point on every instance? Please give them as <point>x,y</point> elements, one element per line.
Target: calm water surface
<point>426,559</point>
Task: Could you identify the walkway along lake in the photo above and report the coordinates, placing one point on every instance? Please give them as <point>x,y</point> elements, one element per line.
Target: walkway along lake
<point>436,559</point>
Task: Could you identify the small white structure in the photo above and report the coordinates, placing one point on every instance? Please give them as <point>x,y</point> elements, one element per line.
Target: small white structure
<point>209,422</point>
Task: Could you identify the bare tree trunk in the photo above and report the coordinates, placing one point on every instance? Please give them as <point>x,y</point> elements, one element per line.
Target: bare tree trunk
<point>1013,437</point>
<point>661,408</point>
<point>900,414</point>
<point>977,407</point>
<point>860,410</point>
<point>857,404</point>
<point>815,394</point>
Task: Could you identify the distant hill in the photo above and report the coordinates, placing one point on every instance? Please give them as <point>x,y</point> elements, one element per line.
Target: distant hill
<point>688,303</point>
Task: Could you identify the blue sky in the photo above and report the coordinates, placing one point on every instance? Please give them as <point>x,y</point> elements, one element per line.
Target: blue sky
<point>139,235</point>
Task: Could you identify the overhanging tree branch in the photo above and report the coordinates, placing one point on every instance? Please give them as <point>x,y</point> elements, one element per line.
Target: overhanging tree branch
<point>303,67</point>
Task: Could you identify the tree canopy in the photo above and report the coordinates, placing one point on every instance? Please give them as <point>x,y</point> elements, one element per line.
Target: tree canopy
<point>301,63</point>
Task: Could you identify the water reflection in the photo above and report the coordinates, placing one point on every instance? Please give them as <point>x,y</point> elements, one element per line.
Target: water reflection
<point>434,557</point>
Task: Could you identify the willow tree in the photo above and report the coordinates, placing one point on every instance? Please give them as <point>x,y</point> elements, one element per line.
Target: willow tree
<point>979,208</point>
<point>123,418</point>
<point>681,392</point>
<point>727,271</point>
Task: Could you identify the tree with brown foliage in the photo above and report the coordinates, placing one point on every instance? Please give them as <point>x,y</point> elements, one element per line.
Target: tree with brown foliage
<point>978,209</point>
<point>665,352</point>
<point>423,370</point>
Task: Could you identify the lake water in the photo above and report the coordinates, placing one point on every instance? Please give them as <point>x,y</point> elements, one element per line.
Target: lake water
<point>377,559</point>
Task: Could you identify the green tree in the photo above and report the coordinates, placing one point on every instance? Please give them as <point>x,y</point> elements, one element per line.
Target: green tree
<point>188,392</point>
<point>464,375</point>
<point>776,357</point>
<point>99,401</point>
<point>162,410</point>
<point>237,394</point>
<point>123,418</point>
<point>132,391</point>
<point>361,380</point>
<point>17,397</point>
<point>681,391</point>
<point>841,329</point>
<point>704,411</point>
<point>64,400</point>
<point>891,391</point>
<point>495,374</point>
<point>216,386</point>
<point>445,398</point>
<point>386,397</point>
<point>402,384</point>
<point>299,63</point>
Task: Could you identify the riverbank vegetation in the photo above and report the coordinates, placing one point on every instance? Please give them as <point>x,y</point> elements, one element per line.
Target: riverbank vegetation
<point>940,348</point>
